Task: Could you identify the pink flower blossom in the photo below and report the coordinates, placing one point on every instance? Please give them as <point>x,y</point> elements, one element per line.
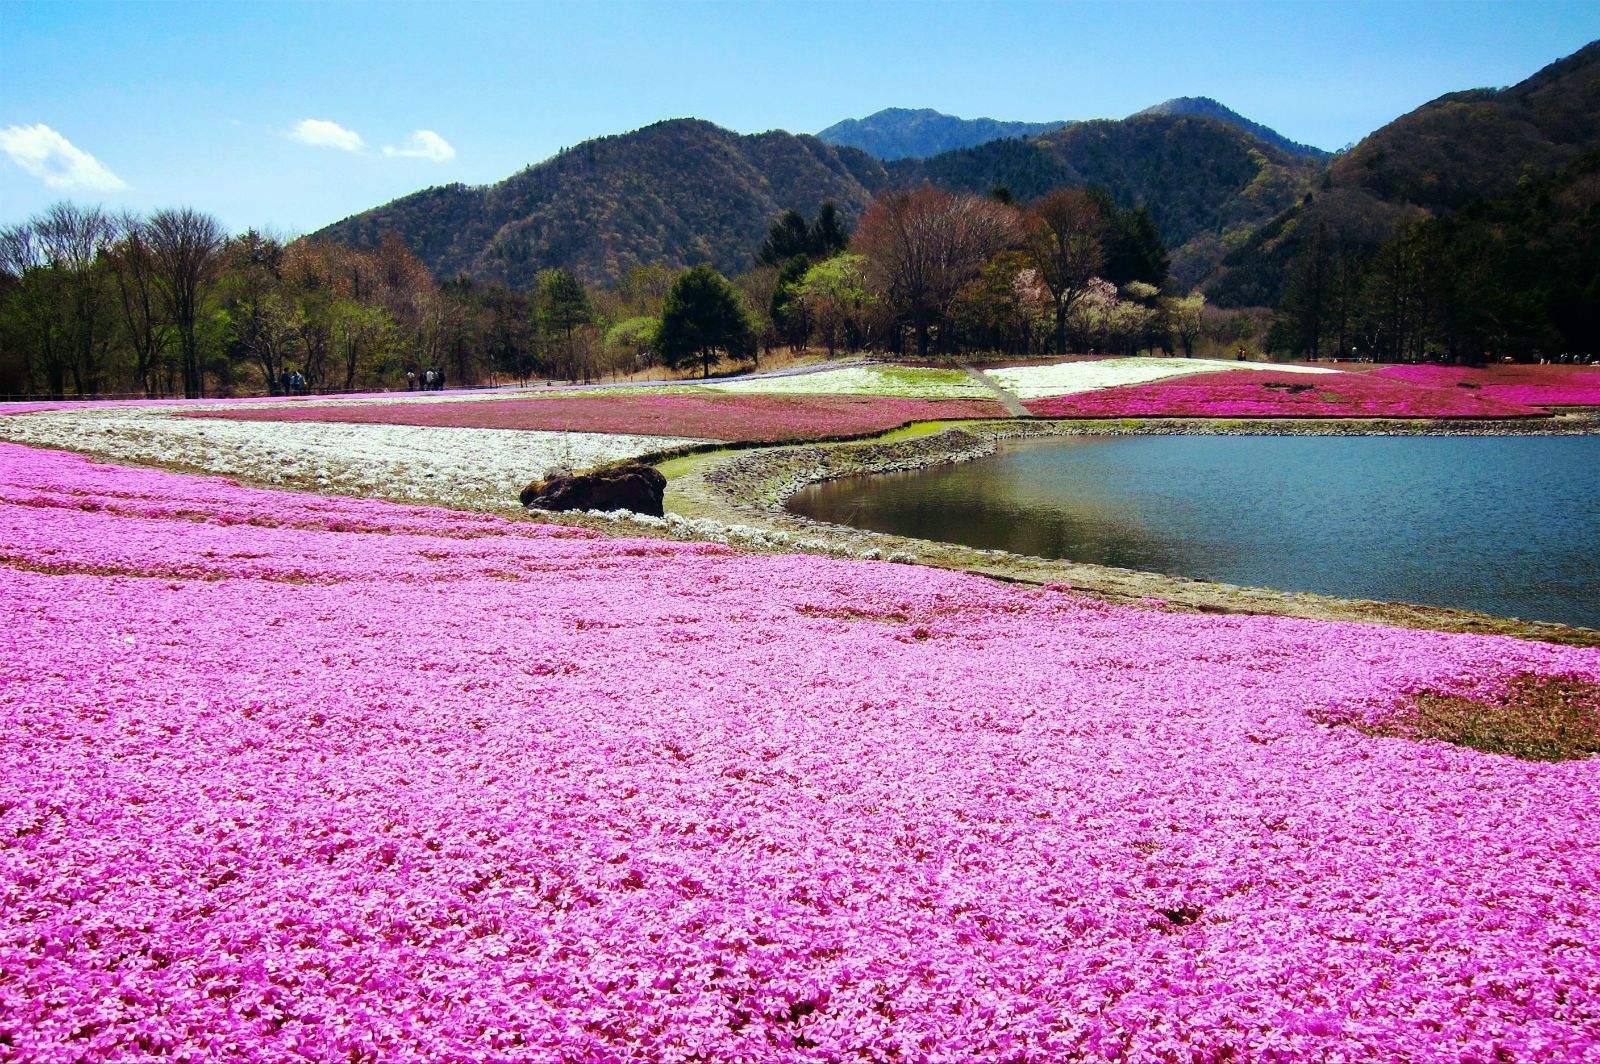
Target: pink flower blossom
<point>1268,393</point>
<point>1528,385</point>
<point>765,418</point>
<point>290,777</point>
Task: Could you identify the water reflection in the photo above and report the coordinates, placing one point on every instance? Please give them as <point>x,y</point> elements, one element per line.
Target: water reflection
<point>1505,525</point>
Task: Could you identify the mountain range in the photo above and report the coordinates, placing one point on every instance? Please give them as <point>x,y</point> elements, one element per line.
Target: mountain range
<point>1231,198</point>
<point>1206,107</point>
<point>902,133</point>
<point>1461,148</point>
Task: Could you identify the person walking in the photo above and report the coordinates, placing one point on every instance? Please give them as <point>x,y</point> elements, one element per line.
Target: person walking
<point>411,380</point>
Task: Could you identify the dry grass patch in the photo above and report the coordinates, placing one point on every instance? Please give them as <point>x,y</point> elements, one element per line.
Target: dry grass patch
<point>1537,718</point>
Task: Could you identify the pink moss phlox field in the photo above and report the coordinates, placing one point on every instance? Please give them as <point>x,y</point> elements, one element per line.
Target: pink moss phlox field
<point>744,418</point>
<point>1529,385</point>
<point>291,778</point>
<point>1266,393</point>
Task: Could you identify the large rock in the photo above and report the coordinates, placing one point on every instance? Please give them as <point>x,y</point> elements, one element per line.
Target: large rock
<point>629,486</point>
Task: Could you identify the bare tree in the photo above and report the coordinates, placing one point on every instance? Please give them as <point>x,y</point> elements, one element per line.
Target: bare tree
<point>133,269</point>
<point>186,245</point>
<point>921,246</point>
<point>1065,240</point>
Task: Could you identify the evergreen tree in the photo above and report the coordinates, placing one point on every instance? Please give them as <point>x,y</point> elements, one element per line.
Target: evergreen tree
<point>704,317</point>
<point>789,237</point>
<point>563,302</point>
<point>790,316</point>
<point>828,236</point>
<point>564,308</point>
<point>1134,250</point>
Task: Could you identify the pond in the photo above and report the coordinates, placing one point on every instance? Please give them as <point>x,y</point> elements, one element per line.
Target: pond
<point>1508,526</point>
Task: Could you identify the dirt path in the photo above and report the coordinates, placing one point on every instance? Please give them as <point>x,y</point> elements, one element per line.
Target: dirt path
<point>1007,398</point>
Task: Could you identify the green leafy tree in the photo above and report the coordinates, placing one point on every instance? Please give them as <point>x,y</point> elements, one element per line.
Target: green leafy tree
<point>1005,306</point>
<point>363,336</point>
<point>1186,317</point>
<point>836,295</point>
<point>634,340</point>
<point>563,302</point>
<point>704,318</point>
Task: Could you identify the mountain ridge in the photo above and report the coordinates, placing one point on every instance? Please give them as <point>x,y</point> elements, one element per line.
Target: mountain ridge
<point>679,192</point>
<point>684,191</point>
<point>1206,107</point>
<point>1458,149</point>
<point>1233,205</point>
<point>1205,182</point>
<point>902,132</point>
<point>897,133</point>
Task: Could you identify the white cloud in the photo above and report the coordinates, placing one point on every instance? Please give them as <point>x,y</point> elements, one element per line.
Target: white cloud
<point>320,133</point>
<point>55,160</point>
<point>424,144</point>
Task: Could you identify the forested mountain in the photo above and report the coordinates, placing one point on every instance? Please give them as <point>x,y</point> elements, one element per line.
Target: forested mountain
<point>904,133</point>
<point>1459,149</point>
<point>1232,200</point>
<point>685,192</point>
<point>1206,183</point>
<point>1206,107</point>
<point>676,193</point>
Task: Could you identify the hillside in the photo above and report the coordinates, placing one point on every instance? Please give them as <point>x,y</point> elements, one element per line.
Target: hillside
<point>686,191</point>
<point>1229,198</point>
<point>903,133</point>
<point>1206,107</point>
<point>680,192</point>
<point>1456,150</point>
<point>1206,183</point>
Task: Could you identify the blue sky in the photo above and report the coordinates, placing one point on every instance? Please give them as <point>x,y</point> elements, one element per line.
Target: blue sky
<point>279,115</point>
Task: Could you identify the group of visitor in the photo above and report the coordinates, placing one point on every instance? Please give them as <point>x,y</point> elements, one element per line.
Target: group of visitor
<point>293,383</point>
<point>430,380</point>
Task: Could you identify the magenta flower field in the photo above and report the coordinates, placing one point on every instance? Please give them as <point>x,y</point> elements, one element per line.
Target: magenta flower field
<point>734,418</point>
<point>1266,393</point>
<point>302,778</point>
<point>1531,384</point>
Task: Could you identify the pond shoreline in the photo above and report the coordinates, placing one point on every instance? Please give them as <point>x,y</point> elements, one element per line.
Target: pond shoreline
<point>749,489</point>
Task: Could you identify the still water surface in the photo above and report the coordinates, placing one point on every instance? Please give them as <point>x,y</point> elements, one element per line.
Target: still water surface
<point>1506,525</point>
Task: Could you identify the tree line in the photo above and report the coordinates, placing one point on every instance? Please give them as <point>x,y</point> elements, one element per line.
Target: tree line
<point>95,305</point>
<point>931,273</point>
<point>170,304</point>
<point>1515,277</point>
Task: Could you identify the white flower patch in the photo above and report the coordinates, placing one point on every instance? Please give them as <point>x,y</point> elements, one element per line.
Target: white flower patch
<point>474,468</point>
<point>900,382</point>
<point>1070,378</point>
